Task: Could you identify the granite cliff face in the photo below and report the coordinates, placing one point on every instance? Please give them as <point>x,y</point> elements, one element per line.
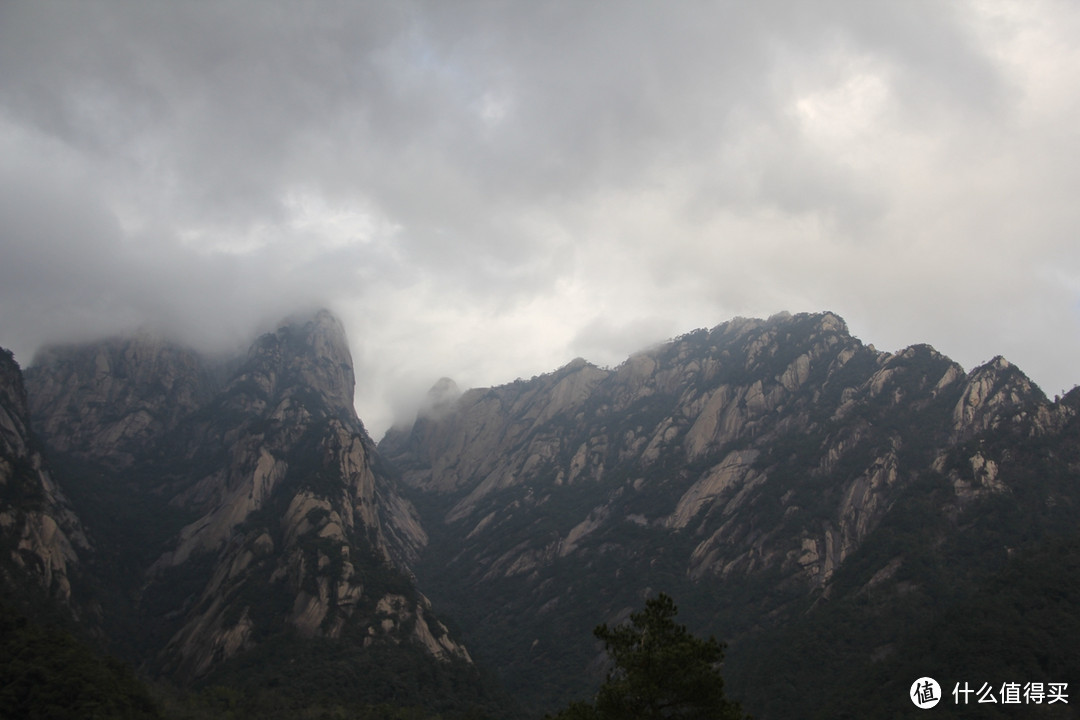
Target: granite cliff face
<point>789,416</point>
<point>41,539</point>
<point>791,486</point>
<point>109,401</point>
<point>747,464</point>
<point>274,513</point>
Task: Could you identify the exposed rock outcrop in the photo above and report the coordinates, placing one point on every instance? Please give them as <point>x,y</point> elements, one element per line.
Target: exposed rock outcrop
<point>286,518</point>
<point>758,454</point>
<point>700,416</point>
<point>110,401</point>
<point>41,539</point>
<point>995,393</point>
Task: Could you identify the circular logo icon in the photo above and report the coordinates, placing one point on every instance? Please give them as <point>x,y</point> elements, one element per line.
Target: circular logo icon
<point>925,693</point>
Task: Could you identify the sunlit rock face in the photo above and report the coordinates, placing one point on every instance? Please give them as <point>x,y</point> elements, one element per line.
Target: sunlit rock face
<point>284,519</point>
<point>747,464</point>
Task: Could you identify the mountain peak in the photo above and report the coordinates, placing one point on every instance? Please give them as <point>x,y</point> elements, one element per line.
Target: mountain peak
<point>324,332</point>
<point>310,351</point>
<point>994,391</point>
<point>112,396</point>
<point>440,398</point>
<point>12,390</point>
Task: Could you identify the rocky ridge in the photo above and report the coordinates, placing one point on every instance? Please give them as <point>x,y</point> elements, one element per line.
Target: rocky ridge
<point>40,536</point>
<point>793,487</point>
<point>283,517</point>
<point>719,413</point>
<point>107,401</point>
<point>747,463</point>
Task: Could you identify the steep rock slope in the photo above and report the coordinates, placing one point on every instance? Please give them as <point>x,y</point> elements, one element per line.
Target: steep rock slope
<point>740,467</point>
<point>107,402</point>
<point>41,539</point>
<point>240,503</point>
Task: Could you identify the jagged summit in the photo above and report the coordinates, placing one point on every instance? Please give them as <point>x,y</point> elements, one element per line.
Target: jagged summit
<point>440,398</point>
<point>312,351</point>
<point>576,364</point>
<point>107,400</point>
<point>13,393</point>
<point>273,512</point>
<point>765,470</point>
<point>998,393</point>
<point>758,453</point>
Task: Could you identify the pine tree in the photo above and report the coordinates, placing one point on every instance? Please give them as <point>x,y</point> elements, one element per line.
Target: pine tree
<point>660,671</point>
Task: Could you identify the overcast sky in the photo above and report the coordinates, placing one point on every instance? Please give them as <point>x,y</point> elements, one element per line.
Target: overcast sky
<point>486,190</point>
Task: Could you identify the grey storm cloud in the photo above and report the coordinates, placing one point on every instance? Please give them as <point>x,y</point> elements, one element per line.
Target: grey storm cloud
<point>486,189</point>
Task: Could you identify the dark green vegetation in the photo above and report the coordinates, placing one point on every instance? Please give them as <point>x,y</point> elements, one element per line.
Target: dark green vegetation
<point>1020,625</point>
<point>284,677</point>
<point>659,671</point>
<point>46,674</point>
<point>991,595</point>
<point>290,676</point>
<point>954,618</point>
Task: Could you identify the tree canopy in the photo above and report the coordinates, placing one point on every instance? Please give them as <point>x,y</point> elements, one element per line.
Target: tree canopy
<point>659,671</point>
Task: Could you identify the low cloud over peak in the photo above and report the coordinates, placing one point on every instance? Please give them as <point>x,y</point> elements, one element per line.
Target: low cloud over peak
<point>490,189</point>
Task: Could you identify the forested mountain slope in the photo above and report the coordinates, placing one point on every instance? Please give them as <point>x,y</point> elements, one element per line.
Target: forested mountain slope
<point>780,478</point>
<point>843,517</point>
<point>242,517</point>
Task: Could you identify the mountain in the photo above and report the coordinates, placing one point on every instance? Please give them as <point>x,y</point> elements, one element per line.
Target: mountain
<point>42,541</point>
<point>816,501</point>
<point>846,519</point>
<point>243,518</point>
<point>45,670</point>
